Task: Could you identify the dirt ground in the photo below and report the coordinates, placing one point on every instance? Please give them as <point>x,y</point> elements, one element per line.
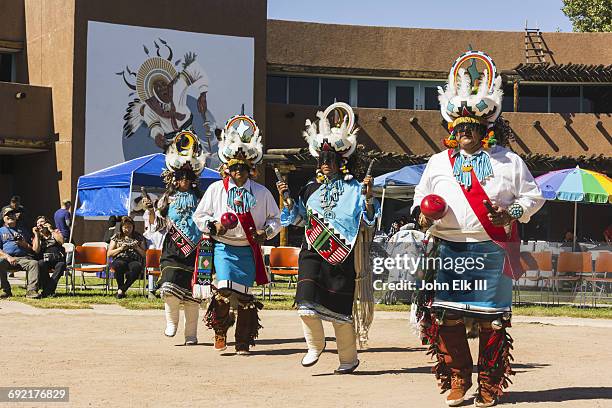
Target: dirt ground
<point>110,356</point>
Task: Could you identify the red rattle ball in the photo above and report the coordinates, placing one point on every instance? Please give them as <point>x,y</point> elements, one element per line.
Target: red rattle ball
<point>229,220</point>
<point>433,206</point>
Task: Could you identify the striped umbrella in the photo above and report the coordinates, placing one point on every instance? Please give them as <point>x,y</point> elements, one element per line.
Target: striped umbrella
<point>577,185</point>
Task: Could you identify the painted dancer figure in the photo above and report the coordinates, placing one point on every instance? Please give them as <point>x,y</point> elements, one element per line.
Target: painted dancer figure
<point>182,238</point>
<point>488,190</point>
<point>337,218</point>
<point>162,95</point>
<point>239,215</point>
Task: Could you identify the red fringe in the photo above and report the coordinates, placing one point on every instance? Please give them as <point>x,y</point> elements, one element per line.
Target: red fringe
<point>441,370</point>
<point>494,365</point>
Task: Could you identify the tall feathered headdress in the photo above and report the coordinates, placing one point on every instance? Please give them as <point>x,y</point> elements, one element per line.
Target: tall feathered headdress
<point>471,96</point>
<point>240,142</point>
<point>339,136</point>
<point>186,153</point>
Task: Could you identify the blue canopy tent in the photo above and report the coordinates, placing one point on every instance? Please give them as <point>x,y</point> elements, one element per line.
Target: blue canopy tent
<point>398,184</point>
<point>108,191</point>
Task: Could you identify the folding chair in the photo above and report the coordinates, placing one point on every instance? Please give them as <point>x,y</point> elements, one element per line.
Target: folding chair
<point>538,268</point>
<point>109,261</point>
<point>571,267</point>
<point>152,267</point>
<point>88,259</point>
<point>284,262</point>
<point>602,274</point>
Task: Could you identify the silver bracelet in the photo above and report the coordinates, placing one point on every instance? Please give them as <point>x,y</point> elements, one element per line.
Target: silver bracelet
<point>516,211</point>
<point>269,230</point>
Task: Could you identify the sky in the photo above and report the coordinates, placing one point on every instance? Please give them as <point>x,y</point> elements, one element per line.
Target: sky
<point>499,15</point>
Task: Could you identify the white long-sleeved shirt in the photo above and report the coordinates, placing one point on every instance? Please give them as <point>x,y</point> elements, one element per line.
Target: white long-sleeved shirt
<point>511,182</point>
<point>214,204</point>
<point>155,237</point>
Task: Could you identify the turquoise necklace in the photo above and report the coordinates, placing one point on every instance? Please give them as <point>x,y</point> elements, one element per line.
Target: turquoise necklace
<point>464,164</point>
<point>331,190</point>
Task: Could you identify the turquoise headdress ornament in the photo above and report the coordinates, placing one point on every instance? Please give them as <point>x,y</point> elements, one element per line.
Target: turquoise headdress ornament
<point>240,141</point>
<point>471,96</point>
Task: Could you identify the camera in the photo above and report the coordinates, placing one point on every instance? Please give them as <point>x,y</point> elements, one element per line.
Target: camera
<point>18,237</point>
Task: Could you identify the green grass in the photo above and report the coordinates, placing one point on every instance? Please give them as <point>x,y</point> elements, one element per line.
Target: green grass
<point>282,299</point>
<point>564,311</point>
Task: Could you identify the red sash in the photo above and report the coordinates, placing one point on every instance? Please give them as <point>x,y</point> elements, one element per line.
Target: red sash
<point>248,225</point>
<point>510,243</point>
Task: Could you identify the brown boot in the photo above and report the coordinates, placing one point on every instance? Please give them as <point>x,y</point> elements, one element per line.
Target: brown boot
<point>219,318</point>
<point>220,341</point>
<point>454,368</point>
<point>487,394</point>
<point>461,381</point>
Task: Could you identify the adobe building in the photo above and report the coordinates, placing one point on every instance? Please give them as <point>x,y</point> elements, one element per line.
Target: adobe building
<point>43,46</point>
<point>557,99</point>
<point>558,91</point>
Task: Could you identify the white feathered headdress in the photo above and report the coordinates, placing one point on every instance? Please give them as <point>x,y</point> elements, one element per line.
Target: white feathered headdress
<point>471,96</point>
<point>341,137</point>
<point>240,141</point>
<point>186,153</point>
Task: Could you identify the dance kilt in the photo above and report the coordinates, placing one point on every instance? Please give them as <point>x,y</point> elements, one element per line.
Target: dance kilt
<point>478,288</point>
<point>234,264</point>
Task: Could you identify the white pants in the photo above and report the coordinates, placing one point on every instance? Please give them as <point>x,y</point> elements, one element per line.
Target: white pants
<point>345,338</point>
<point>172,306</point>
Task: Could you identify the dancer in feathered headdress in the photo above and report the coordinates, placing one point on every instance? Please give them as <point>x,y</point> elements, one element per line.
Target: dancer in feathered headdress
<point>240,215</point>
<point>182,240</point>
<point>338,213</point>
<point>487,189</point>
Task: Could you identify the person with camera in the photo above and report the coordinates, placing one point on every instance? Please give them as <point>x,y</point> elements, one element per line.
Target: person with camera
<point>15,253</point>
<point>47,244</point>
<point>128,251</point>
<point>15,205</point>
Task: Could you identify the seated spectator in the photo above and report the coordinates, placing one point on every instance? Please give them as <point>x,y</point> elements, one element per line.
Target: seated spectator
<point>568,241</point>
<point>15,204</point>
<point>128,251</point>
<point>15,250</point>
<point>63,218</point>
<point>47,244</point>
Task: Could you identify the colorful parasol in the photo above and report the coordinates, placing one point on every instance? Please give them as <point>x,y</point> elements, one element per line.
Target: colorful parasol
<point>577,185</point>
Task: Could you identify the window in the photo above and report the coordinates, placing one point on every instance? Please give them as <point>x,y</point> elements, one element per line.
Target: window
<point>404,97</point>
<point>6,67</point>
<point>431,98</point>
<point>508,101</point>
<point>597,99</point>
<point>565,99</point>
<point>372,94</point>
<point>533,98</point>
<point>276,89</point>
<point>304,91</point>
<point>338,89</point>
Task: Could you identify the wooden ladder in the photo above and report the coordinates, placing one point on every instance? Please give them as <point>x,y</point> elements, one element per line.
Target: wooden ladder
<point>534,52</point>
